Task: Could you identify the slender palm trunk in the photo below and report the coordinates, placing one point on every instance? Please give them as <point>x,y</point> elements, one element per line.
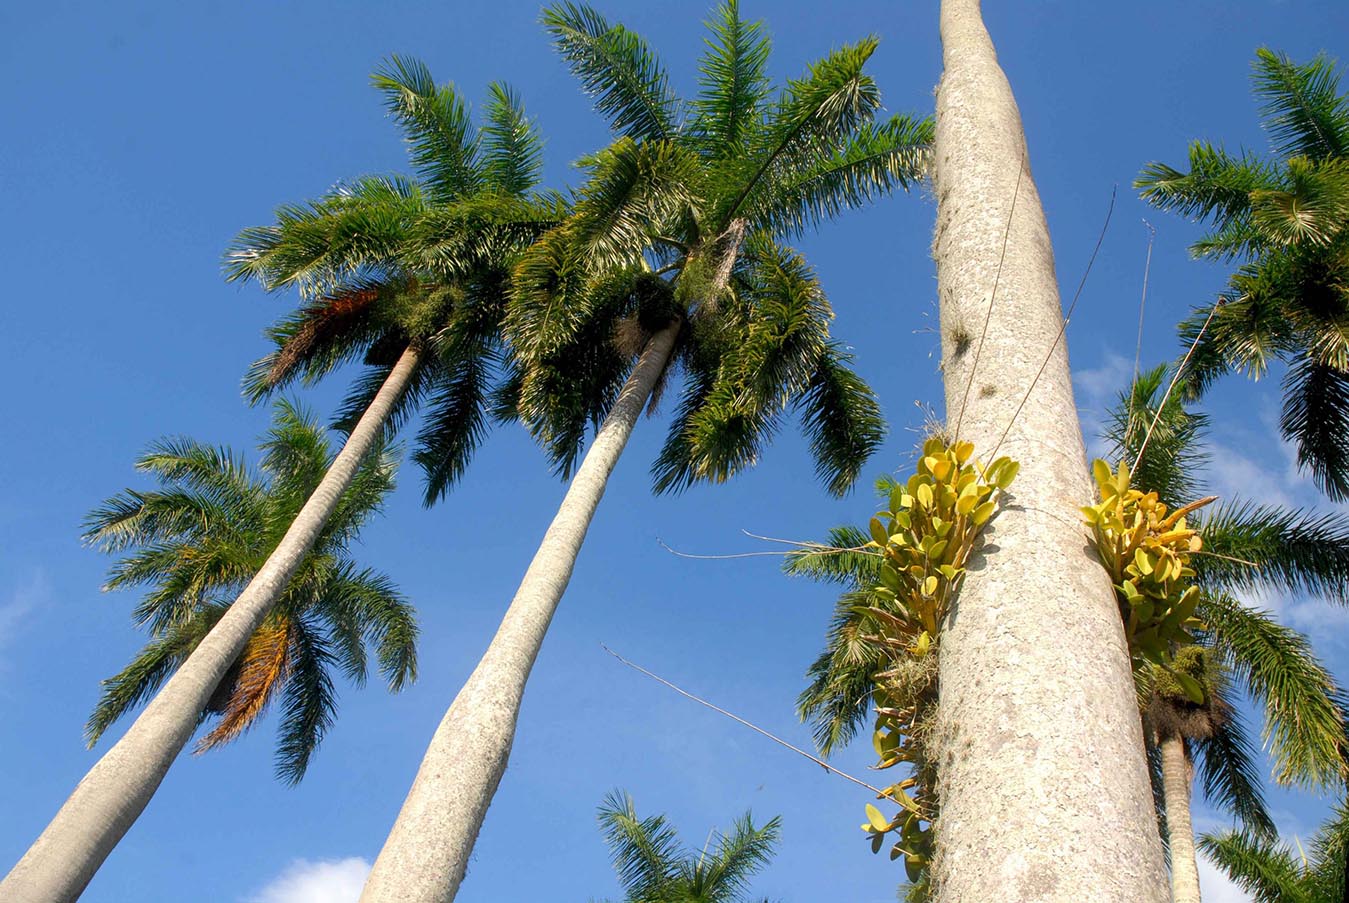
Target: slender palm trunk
<point>1043,785</point>
<point>425,855</point>
<point>1177,777</point>
<point>110,798</point>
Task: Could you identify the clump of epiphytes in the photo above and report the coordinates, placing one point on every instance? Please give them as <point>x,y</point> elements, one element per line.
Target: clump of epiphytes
<point>925,539</point>
<point>1146,550</point>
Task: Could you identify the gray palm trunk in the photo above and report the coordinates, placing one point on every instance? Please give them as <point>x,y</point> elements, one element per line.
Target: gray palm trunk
<point>110,798</point>
<point>1177,780</point>
<point>1043,784</point>
<point>427,851</point>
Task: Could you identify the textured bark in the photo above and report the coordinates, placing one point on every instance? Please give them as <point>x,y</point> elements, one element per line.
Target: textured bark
<point>1177,778</point>
<point>426,853</point>
<point>1043,785</point>
<point>117,789</point>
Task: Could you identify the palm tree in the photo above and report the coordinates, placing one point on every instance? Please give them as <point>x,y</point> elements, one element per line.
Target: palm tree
<point>1017,695</point>
<point>195,541</point>
<point>1272,873</point>
<point>653,866</point>
<point>411,274</point>
<point>1287,221</point>
<point>669,261</point>
<point>1246,547</point>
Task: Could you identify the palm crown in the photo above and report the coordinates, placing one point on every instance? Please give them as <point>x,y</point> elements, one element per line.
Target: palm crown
<point>196,541</point>
<point>653,866</point>
<point>678,226</point>
<point>387,263</point>
<point>1287,220</point>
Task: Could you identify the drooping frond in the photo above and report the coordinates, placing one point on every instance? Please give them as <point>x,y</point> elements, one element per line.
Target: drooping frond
<point>1304,732</point>
<point>842,420</point>
<point>1316,417</point>
<point>617,68</point>
<point>377,614</point>
<point>442,143</point>
<point>148,671</point>
<point>1302,108</point>
<point>308,700</point>
<point>456,418</point>
<point>315,340</point>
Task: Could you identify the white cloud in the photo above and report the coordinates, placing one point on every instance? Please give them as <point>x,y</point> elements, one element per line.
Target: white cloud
<point>323,881</point>
<point>1216,887</point>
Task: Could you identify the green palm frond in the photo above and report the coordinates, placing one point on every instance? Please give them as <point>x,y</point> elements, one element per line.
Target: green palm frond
<point>732,82</point>
<point>1316,417</point>
<point>645,852</point>
<point>739,856</point>
<point>201,538</point>
<point>617,68</point>
<point>512,149</point>
<point>1259,866</point>
<point>147,672</point>
<point>876,161</point>
<point>355,233</point>
<point>1252,547</point>
<point>842,560</point>
<point>1303,111</point>
<point>308,700</point>
<point>442,142</point>
<point>819,111</point>
<point>1174,453</point>
<point>1304,732</point>
<point>456,422</point>
<point>842,420</point>
<point>1217,187</point>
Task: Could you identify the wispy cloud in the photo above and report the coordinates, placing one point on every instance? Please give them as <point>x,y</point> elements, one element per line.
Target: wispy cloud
<point>322,881</point>
<point>1097,389</point>
<point>20,603</point>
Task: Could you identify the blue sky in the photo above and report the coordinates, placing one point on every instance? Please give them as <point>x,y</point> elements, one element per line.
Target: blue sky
<point>142,136</point>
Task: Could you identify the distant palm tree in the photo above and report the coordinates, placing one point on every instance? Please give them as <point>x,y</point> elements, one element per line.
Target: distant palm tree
<point>1287,220</point>
<point>1246,547</point>
<point>200,537</point>
<point>653,866</point>
<point>411,275</point>
<point>1273,873</point>
<point>669,263</point>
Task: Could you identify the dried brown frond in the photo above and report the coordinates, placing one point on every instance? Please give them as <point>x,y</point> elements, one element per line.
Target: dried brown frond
<point>263,668</point>
<point>329,317</point>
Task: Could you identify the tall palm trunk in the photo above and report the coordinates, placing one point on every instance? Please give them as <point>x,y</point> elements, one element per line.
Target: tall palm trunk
<point>1043,785</point>
<point>425,855</point>
<point>1177,777</point>
<point>117,789</point>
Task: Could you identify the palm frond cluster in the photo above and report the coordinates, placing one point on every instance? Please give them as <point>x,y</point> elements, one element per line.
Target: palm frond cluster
<point>1287,221</point>
<point>198,539</point>
<point>679,225</point>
